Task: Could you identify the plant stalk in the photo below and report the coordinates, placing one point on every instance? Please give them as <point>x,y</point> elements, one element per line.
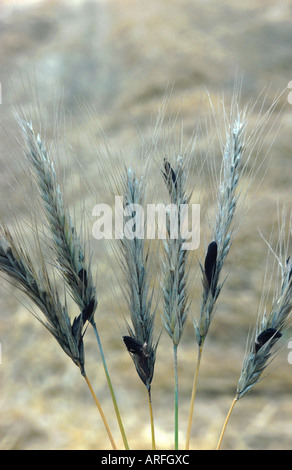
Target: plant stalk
<point>100,411</point>
<point>110,387</point>
<point>189,428</point>
<point>175,398</point>
<point>226,421</point>
<point>151,419</point>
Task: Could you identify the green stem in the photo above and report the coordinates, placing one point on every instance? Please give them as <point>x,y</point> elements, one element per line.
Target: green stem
<point>175,398</point>
<point>111,387</point>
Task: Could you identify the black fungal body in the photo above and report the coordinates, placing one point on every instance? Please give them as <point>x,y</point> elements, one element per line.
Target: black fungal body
<point>210,262</point>
<point>265,336</point>
<point>169,173</point>
<point>83,276</point>
<point>140,357</point>
<point>290,273</point>
<point>84,316</point>
<point>87,312</point>
<point>133,346</point>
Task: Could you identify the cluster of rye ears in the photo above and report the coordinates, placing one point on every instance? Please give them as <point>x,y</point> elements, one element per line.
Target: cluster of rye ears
<point>240,149</point>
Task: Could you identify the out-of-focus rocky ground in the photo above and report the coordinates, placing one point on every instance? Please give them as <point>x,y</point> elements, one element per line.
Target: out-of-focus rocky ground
<point>109,63</point>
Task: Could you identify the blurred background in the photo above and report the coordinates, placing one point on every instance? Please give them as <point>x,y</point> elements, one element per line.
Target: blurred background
<point>86,65</point>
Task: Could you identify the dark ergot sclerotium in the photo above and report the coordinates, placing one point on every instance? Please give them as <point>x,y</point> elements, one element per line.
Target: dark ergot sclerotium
<point>210,262</point>
<point>169,172</point>
<point>141,358</point>
<point>265,336</point>
<point>84,316</point>
<point>133,346</point>
<point>290,273</point>
<point>88,311</point>
<point>83,276</point>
